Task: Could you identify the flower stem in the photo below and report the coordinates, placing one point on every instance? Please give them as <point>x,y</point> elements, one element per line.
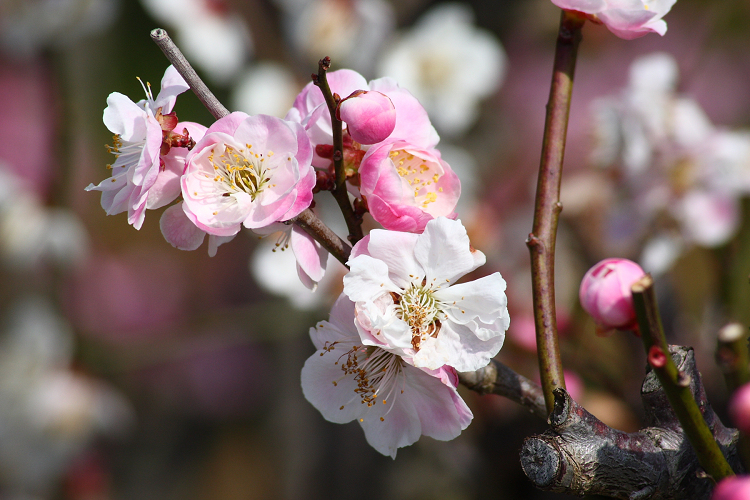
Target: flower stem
<point>676,384</point>
<point>547,207</point>
<point>353,222</point>
<point>308,221</point>
<point>181,64</point>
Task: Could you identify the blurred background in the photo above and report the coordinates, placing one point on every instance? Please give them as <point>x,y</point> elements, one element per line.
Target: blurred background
<point>132,370</point>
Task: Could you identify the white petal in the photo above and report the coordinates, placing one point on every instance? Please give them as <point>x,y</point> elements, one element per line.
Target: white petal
<point>483,298</point>
<point>396,249</point>
<point>367,279</point>
<point>443,250</point>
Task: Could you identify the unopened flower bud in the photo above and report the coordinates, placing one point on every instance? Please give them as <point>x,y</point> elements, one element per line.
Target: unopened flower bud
<point>370,116</point>
<point>732,488</point>
<point>605,293</point>
<point>739,408</point>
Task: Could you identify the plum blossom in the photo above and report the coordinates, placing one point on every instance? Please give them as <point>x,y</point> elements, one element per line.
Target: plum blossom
<point>247,170</point>
<point>310,110</point>
<point>351,32</point>
<point>311,258</point>
<point>605,294</point>
<point>147,166</point>
<point>393,401</point>
<point>370,116</point>
<point>627,19</point>
<point>407,186</point>
<point>407,302</point>
<point>678,169</point>
<point>423,60</point>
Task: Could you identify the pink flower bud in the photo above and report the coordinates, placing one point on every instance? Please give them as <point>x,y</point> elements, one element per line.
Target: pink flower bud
<point>605,293</point>
<point>732,488</point>
<point>369,116</point>
<point>739,408</point>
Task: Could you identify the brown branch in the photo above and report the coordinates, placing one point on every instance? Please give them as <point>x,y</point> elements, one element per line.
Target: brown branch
<point>675,382</point>
<point>308,221</point>
<point>496,378</point>
<point>580,455</point>
<point>547,209</point>
<point>181,64</point>
<point>353,222</point>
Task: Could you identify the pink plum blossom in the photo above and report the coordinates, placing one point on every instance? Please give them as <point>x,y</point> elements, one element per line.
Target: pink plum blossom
<point>393,401</point>
<point>141,129</point>
<point>370,116</point>
<point>407,302</point>
<point>739,408</point>
<point>605,293</point>
<point>183,234</point>
<point>247,170</point>
<point>733,488</point>
<point>310,110</point>
<point>406,186</point>
<point>627,19</point>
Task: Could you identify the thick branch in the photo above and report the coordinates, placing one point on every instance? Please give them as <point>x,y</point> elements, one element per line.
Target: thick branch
<point>308,221</point>
<point>496,378</point>
<point>165,43</point>
<point>675,382</point>
<point>353,222</point>
<point>547,209</point>
<point>580,455</point>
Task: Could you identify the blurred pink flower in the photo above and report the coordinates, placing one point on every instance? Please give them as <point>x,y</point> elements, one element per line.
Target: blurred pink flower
<point>407,302</point>
<point>407,186</point>
<point>733,488</point>
<point>370,116</point>
<point>140,130</point>
<point>346,380</point>
<point>605,293</point>
<point>739,408</point>
<point>627,19</point>
<point>247,170</point>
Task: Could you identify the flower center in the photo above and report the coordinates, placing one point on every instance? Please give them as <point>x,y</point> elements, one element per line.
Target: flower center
<point>127,153</point>
<point>419,308</point>
<point>421,175</point>
<point>238,172</point>
<point>375,370</point>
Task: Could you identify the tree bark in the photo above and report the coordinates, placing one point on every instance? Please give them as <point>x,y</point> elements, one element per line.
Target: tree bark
<point>580,455</point>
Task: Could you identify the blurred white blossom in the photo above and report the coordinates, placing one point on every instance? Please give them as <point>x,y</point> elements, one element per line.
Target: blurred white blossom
<point>212,37</point>
<point>681,174</point>
<point>449,64</point>
<point>265,88</point>
<point>31,232</point>
<point>30,25</point>
<point>352,32</point>
<point>48,413</point>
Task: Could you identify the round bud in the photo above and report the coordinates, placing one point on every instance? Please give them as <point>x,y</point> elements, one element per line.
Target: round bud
<point>370,116</point>
<point>605,293</point>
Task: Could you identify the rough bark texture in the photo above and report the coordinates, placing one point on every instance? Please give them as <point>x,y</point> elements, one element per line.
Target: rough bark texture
<point>580,455</point>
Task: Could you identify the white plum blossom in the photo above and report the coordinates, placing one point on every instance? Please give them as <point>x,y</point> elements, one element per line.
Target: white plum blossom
<point>673,162</point>
<point>393,401</point>
<point>407,302</point>
<point>143,162</point>
<point>424,61</point>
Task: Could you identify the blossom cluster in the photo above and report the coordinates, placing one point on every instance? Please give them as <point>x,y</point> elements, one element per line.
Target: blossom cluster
<point>403,327</point>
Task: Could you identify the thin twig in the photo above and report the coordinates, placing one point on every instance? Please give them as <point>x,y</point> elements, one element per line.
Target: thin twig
<point>732,355</point>
<point>161,38</point>
<point>676,384</point>
<point>353,222</point>
<point>496,378</point>
<point>541,241</point>
<point>308,221</point>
